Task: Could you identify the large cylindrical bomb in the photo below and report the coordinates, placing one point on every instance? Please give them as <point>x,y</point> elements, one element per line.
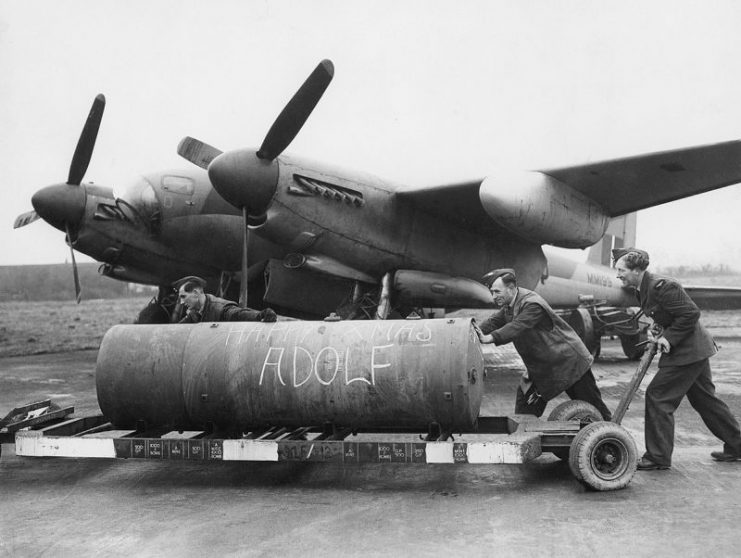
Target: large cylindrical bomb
<point>240,375</point>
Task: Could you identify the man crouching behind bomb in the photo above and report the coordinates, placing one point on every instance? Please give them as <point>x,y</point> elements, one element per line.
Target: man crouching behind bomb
<point>684,368</point>
<point>555,358</point>
<point>202,307</point>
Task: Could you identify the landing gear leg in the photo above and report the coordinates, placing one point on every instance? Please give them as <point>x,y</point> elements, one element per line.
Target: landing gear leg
<point>225,280</point>
<point>384,300</point>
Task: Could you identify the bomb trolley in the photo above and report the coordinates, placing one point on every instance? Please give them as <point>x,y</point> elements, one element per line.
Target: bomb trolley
<point>601,455</point>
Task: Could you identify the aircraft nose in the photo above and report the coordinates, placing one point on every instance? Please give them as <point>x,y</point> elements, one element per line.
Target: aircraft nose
<point>244,180</point>
<point>60,205</point>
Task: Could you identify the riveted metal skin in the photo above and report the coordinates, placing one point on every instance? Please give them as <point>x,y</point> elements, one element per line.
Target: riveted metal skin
<point>238,375</point>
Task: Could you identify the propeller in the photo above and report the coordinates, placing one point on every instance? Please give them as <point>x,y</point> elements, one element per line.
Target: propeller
<point>199,153</point>
<point>25,219</point>
<point>78,168</point>
<point>243,289</point>
<point>294,115</point>
<point>76,275</point>
<point>63,205</point>
<point>248,179</point>
<point>86,143</point>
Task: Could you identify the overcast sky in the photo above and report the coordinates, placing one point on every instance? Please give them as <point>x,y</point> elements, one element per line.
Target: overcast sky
<point>424,92</point>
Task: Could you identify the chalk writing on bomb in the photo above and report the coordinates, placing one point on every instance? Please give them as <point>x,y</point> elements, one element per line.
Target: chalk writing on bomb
<point>357,355</point>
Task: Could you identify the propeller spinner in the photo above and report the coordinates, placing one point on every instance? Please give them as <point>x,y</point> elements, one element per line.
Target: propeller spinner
<point>247,178</point>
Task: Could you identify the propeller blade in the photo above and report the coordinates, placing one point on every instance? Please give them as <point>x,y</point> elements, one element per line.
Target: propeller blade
<point>78,287</point>
<point>296,112</point>
<point>25,219</point>
<point>86,143</point>
<point>197,152</point>
<point>245,262</point>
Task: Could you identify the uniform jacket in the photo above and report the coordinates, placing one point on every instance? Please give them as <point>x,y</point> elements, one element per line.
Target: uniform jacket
<point>664,300</point>
<point>553,354</point>
<point>217,309</point>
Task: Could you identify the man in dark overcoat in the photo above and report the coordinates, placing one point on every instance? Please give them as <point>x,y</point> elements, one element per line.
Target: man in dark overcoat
<point>555,357</point>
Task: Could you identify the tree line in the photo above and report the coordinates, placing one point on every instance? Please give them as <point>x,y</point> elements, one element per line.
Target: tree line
<point>697,271</point>
<point>56,282</point>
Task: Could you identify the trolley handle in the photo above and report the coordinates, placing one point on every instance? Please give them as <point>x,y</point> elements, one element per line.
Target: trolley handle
<point>635,381</point>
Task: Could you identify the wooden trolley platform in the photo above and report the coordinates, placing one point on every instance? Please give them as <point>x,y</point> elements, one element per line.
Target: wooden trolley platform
<point>515,439</point>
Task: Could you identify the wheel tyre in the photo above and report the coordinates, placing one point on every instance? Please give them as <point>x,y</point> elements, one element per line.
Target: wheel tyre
<point>576,409</point>
<point>603,456</point>
<point>582,324</point>
<point>573,410</point>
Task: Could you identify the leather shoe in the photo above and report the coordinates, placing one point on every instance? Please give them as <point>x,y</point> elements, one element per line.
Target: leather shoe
<point>645,464</point>
<point>723,456</point>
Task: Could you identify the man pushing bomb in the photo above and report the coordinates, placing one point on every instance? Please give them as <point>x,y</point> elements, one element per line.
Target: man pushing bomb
<point>555,358</point>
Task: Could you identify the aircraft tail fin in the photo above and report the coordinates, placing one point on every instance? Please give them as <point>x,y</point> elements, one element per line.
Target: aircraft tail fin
<point>620,233</point>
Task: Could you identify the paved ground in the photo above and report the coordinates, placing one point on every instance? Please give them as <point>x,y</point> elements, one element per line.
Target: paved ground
<point>66,507</point>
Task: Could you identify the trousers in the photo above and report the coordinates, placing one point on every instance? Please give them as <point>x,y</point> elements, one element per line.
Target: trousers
<point>663,396</point>
<point>585,389</point>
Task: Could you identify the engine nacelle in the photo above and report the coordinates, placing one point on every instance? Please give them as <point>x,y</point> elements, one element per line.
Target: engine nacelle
<point>540,208</point>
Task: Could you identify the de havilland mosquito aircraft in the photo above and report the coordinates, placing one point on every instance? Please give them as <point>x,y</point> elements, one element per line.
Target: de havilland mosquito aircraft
<point>313,239</point>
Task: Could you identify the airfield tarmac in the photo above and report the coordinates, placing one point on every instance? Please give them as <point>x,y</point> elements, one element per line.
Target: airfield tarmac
<point>93,507</point>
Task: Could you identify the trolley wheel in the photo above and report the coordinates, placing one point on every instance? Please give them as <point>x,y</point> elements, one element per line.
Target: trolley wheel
<point>573,410</point>
<point>603,456</point>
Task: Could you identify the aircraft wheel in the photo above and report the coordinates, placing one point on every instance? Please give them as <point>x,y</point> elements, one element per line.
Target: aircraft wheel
<point>581,322</point>
<point>603,456</point>
<point>629,343</point>
<point>573,410</point>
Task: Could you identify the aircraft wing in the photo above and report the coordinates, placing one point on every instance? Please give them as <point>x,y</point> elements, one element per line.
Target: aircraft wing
<point>624,185</point>
<point>458,203</point>
<point>714,297</point>
<point>620,186</point>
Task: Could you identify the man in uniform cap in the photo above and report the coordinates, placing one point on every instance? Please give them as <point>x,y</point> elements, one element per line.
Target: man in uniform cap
<point>202,307</point>
<point>684,366</point>
<point>618,253</point>
<point>555,358</point>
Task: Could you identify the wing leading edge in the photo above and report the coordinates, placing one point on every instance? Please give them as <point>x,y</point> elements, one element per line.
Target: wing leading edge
<point>714,297</point>
<point>625,185</point>
<point>458,203</point>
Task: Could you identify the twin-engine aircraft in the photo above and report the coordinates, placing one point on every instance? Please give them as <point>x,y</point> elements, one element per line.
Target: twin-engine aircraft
<point>312,239</point>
